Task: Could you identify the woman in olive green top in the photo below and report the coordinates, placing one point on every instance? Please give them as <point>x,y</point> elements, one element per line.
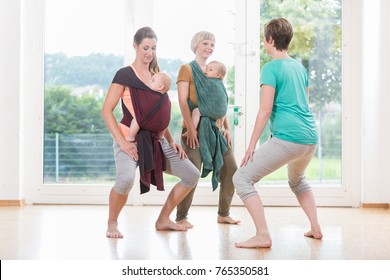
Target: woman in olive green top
<point>202,45</point>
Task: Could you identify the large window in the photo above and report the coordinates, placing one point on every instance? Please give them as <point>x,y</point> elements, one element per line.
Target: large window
<point>317,44</point>
<point>84,45</point>
<point>87,41</point>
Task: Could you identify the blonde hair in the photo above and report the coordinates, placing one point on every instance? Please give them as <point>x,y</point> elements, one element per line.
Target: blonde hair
<point>199,37</point>
<point>221,67</point>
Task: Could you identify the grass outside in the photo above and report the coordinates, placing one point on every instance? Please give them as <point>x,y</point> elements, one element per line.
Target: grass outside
<point>331,171</point>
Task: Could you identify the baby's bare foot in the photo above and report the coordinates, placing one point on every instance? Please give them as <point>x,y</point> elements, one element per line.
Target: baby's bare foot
<point>228,220</point>
<point>257,241</point>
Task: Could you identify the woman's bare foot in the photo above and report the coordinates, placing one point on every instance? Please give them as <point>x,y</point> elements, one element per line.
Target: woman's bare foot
<point>316,234</point>
<point>257,241</point>
<point>112,230</point>
<point>169,225</point>
<point>185,223</point>
<point>227,220</point>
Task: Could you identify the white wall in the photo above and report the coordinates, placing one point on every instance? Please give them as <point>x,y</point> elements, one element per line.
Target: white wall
<point>10,187</point>
<point>376,101</point>
<point>21,146</point>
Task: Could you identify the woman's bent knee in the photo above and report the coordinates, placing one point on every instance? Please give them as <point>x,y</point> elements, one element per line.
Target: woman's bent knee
<point>299,188</point>
<point>242,184</point>
<point>191,178</point>
<point>236,179</point>
<point>123,186</point>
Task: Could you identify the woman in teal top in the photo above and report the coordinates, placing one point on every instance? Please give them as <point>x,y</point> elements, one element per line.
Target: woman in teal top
<point>291,119</point>
<point>284,103</point>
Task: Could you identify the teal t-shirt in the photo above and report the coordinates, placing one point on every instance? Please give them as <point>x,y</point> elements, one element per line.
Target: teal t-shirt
<point>291,119</point>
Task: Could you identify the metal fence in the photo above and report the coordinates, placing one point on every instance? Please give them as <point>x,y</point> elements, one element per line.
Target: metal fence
<point>89,158</point>
<point>78,157</point>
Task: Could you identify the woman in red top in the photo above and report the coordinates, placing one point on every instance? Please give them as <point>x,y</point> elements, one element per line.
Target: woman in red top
<point>155,151</point>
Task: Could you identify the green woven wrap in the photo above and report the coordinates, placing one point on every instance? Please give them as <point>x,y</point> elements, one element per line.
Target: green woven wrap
<point>212,104</point>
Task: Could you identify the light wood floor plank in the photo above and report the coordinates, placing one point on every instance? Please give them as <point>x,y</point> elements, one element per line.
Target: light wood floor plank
<point>53,232</point>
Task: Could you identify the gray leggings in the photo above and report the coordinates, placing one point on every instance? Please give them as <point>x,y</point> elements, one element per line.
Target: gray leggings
<point>271,156</point>
<point>126,166</point>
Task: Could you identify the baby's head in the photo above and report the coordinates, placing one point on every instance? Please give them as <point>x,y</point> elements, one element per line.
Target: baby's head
<point>161,82</point>
<point>216,69</point>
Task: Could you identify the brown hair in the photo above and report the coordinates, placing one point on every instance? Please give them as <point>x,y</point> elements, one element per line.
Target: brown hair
<point>142,33</point>
<point>281,32</point>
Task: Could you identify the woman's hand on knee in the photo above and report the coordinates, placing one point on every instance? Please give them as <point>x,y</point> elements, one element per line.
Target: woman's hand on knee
<point>248,157</point>
<point>130,149</point>
<point>178,150</point>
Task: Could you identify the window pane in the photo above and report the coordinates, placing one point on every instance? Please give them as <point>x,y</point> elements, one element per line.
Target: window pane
<point>317,43</point>
<point>84,43</point>
<point>174,49</point>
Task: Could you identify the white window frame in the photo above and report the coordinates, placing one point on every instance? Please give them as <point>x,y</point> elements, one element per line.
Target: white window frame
<point>32,129</point>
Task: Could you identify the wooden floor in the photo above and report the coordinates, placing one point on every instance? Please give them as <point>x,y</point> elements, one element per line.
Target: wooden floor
<point>72,232</point>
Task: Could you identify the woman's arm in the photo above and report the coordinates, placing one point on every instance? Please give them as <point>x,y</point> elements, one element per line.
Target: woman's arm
<point>168,136</point>
<point>226,131</point>
<point>183,89</point>
<point>176,147</point>
<point>112,98</point>
<point>263,115</point>
<point>225,123</point>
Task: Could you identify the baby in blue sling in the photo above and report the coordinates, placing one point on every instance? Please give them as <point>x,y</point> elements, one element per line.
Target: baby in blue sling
<point>212,107</point>
<point>214,69</point>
